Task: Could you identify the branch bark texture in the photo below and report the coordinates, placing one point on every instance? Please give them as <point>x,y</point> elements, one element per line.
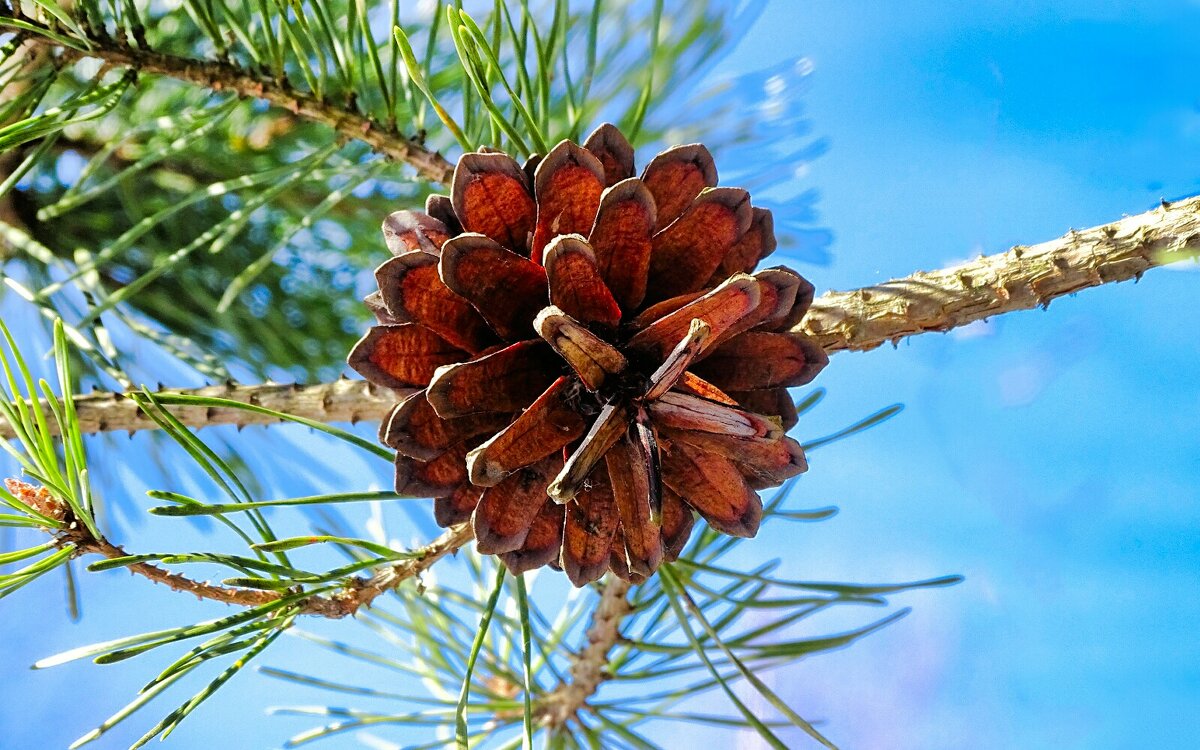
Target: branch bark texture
<point>223,76</point>
<point>363,591</point>
<point>588,671</point>
<point>1024,277</point>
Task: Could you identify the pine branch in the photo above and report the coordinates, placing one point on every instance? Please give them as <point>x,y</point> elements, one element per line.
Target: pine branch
<point>78,537</point>
<point>362,592</point>
<point>588,671</point>
<point>176,581</point>
<point>1019,279</point>
<point>224,76</point>
<point>340,401</point>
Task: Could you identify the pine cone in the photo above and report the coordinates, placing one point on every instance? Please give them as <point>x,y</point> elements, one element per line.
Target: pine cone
<point>586,362</point>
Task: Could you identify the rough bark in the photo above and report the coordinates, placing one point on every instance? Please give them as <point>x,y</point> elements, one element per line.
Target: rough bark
<point>1021,278</point>
<point>363,591</point>
<point>589,669</point>
<point>340,401</point>
<point>178,581</point>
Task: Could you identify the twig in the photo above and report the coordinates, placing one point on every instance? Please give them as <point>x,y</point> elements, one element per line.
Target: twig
<point>1019,279</point>
<point>361,592</point>
<point>72,534</point>
<point>340,401</point>
<point>224,76</point>
<point>177,581</point>
<point>588,671</point>
<point>358,592</point>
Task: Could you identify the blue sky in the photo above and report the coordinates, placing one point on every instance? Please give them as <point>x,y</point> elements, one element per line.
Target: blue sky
<point>1051,457</point>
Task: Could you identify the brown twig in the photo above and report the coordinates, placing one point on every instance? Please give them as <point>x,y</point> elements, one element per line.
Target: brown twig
<point>74,535</point>
<point>1019,279</point>
<point>176,581</point>
<point>361,592</point>
<point>358,592</point>
<point>588,670</point>
<point>224,76</point>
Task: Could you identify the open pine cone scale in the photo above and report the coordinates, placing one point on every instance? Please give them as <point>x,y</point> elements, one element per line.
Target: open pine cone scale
<point>587,357</point>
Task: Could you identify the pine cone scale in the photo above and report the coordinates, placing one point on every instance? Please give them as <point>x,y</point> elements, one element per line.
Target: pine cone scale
<point>691,248</point>
<point>676,177</point>
<point>567,185</point>
<point>614,152</point>
<point>506,288</point>
<point>506,380</point>
<point>440,476</point>
<point>413,291</point>
<point>490,195</point>
<point>576,285</point>
<point>637,493</point>
<point>713,486</point>
<point>506,512</point>
<point>403,356</point>
<point>414,429</point>
<point>543,543</point>
<point>622,240</point>
<point>550,424</point>
<point>591,523</point>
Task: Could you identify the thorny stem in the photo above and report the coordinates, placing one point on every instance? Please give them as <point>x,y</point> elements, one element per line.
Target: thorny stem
<point>342,400</point>
<point>1019,279</point>
<point>225,76</point>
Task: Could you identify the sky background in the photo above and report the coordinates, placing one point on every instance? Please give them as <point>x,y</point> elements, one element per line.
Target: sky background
<point>1051,457</point>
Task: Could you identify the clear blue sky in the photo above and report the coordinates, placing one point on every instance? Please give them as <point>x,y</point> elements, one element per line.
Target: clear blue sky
<point>1051,457</point>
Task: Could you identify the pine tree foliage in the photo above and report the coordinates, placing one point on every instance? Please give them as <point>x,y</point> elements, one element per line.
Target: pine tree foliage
<point>207,178</point>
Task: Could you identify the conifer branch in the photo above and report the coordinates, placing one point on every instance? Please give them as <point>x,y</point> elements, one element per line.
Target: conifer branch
<point>1024,277</point>
<point>361,592</point>
<point>71,534</point>
<point>358,592</point>
<point>225,76</point>
<point>588,671</point>
<point>340,401</point>
<point>177,581</point>
<point>1020,279</point>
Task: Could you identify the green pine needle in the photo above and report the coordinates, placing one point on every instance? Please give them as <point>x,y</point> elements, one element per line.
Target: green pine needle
<point>460,713</point>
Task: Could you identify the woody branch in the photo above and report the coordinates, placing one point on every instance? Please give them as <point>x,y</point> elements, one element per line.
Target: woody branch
<point>383,138</point>
<point>1021,278</point>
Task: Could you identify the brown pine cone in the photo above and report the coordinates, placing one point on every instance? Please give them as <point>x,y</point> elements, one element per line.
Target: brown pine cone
<point>585,357</point>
